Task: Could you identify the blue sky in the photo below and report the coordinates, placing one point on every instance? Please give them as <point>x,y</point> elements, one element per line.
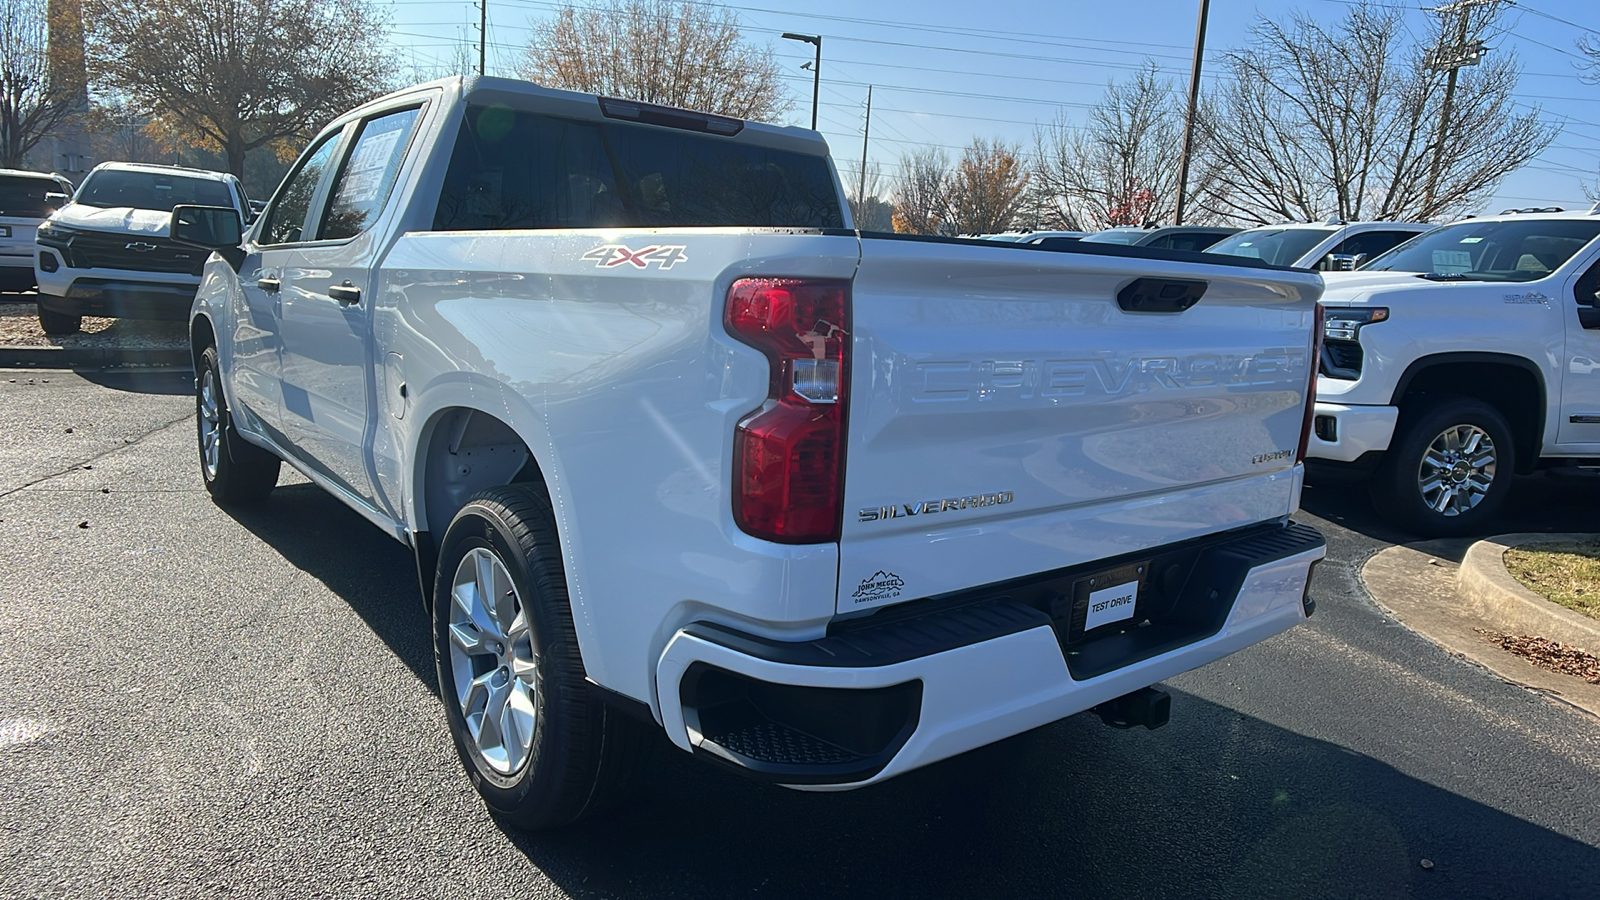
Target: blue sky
<point>944,71</point>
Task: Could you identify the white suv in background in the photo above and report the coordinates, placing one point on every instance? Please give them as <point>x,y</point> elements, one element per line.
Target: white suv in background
<point>107,253</point>
<point>1328,246</point>
<point>25,201</point>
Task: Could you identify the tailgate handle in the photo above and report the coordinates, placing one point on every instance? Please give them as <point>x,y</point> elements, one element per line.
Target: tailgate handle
<point>1160,295</point>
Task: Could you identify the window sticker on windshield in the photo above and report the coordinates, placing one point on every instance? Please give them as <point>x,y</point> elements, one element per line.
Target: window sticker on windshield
<point>1470,240</point>
<point>1247,250</point>
<point>1452,262</point>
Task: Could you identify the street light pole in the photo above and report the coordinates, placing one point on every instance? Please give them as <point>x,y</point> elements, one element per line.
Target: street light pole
<point>816,69</point>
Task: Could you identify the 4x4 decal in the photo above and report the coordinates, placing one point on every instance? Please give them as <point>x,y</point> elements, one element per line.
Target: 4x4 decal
<point>609,256</point>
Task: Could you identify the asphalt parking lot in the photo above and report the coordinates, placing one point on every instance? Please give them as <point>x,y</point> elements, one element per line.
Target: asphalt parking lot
<point>202,704</point>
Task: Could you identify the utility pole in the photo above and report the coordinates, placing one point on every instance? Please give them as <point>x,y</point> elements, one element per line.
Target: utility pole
<point>816,68</point>
<point>861,192</point>
<point>1450,58</point>
<point>483,34</point>
<point>1194,106</point>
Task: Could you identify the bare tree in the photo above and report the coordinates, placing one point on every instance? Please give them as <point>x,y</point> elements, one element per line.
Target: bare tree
<point>684,54</point>
<point>986,188</point>
<point>868,208</point>
<point>41,74</point>
<point>234,75</point>
<point>922,192</point>
<point>1119,168</point>
<point>1343,121</point>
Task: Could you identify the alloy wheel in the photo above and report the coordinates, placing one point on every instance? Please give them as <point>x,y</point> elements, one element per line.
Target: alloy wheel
<point>492,661</point>
<point>1457,470</point>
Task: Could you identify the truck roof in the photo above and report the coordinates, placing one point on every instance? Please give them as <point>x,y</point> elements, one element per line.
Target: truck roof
<point>159,168</point>
<point>492,89</point>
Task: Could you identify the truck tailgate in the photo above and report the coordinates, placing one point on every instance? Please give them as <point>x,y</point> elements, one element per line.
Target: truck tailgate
<point>1008,417</point>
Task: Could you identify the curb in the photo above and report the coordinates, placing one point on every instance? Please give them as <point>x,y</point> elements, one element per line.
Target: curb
<point>1490,591</point>
<point>92,357</point>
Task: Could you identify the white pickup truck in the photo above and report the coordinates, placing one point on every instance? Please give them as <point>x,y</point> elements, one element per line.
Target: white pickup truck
<point>1458,358</point>
<point>679,450</point>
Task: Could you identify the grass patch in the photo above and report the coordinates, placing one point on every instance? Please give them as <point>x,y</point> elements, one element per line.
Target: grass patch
<point>1568,573</point>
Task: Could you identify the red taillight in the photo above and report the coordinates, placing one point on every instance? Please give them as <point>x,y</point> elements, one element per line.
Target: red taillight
<point>1311,385</point>
<point>788,456</point>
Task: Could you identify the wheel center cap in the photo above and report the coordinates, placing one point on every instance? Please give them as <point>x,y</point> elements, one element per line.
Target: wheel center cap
<point>1459,472</point>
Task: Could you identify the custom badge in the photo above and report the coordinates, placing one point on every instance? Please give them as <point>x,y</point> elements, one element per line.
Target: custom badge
<point>610,256</point>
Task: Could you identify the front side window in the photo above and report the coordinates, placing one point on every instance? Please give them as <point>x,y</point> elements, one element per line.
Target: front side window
<point>1512,250</point>
<point>368,175</point>
<point>287,218</point>
<point>1277,246</point>
<point>515,169</point>
<point>136,189</point>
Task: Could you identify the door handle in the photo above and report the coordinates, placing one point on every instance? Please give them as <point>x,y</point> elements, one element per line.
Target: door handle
<point>345,294</point>
<point>270,285</point>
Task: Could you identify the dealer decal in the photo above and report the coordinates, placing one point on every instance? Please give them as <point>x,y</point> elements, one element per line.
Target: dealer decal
<point>610,256</point>
<point>880,585</point>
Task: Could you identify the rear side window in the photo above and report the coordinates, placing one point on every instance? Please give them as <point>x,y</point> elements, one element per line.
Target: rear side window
<point>368,175</point>
<point>1372,243</point>
<point>1190,240</point>
<point>25,196</point>
<point>513,169</point>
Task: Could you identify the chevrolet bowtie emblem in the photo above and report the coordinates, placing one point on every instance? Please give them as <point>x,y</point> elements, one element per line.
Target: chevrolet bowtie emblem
<point>140,246</point>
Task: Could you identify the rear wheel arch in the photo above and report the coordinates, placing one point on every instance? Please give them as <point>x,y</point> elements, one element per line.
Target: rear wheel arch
<point>460,452</point>
<point>1513,385</point>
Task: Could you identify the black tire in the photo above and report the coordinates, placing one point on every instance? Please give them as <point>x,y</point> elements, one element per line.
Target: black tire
<point>1469,505</point>
<point>236,472</point>
<point>55,323</point>
<point>582,754</point>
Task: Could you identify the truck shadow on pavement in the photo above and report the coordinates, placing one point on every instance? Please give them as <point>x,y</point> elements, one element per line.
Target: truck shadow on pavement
<point>1537,503</point>
<point>1217,804</point>
<point>370,571</point>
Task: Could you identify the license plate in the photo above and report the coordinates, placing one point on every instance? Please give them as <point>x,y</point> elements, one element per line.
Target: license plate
<point>1111,597</point>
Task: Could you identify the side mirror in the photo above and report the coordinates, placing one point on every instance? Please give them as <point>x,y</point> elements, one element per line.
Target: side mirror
<point>56,199</point>
<point>211,228</point>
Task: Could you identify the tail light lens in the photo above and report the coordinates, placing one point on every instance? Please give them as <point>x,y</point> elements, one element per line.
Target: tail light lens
<point>788,456</point>
<point>1314,365</point>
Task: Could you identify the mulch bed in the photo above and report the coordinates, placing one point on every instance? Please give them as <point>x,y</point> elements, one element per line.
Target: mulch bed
<point>1563,659</point>
<point>19,327</point>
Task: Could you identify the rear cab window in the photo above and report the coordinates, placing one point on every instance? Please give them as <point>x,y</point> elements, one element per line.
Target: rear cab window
<point>513,169</point>
<point>23,197</point>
